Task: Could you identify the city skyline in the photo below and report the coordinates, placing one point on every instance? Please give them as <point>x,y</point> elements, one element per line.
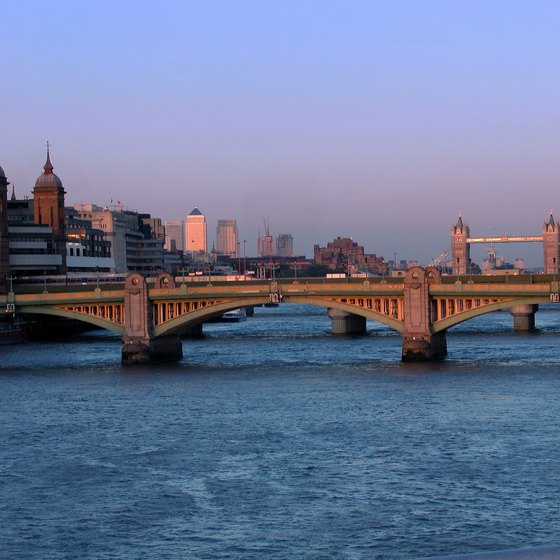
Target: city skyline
<point>201,242</point>
<point>380,122</point>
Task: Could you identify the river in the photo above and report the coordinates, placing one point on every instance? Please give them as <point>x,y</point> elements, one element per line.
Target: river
<point>272,439</point>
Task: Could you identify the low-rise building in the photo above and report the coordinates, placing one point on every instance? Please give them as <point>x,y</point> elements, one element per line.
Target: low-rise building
<point>345,254</point>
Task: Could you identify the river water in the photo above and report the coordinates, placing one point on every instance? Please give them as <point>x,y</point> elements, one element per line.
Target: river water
<point>273,439</point>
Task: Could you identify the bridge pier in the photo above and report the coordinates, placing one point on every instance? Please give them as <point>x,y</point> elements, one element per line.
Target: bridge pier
<point>419,342</point>
<point>139,344</point>
<point>524,317</point>
<point>160,349</point>
<point>343,322</point>
<point>424,347</point>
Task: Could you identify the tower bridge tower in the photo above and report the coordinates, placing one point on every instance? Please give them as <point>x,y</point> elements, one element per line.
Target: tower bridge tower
<point>551,239</point>
<point>460,249</point>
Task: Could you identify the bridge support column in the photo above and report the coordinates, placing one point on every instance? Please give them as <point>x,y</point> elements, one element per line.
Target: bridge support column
<point>419,342</point>
<point>160,349</point>
<point>524,317</point>
<point>422,348</point>
<point>193,331</point>
<point>139,345</point>
<point>346,323</point>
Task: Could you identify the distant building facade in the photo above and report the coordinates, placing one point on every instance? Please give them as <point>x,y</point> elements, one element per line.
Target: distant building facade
<point>345,254</point>
<point>195,232</point>
<point>265,246</point>
<point>32,247</point>
<point>174,236</point>
<point>134,247</point>
<point>227,241</point>
<point>87,249</point>
<point>285,245</point>
<point>152,228</point>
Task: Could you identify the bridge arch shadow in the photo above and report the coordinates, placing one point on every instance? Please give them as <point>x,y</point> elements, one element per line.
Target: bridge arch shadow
<point>77,316</point>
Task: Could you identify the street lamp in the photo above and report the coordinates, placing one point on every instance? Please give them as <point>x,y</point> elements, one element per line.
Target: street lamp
<point>238,259</point>
<point>295,267</point>
<point>244,257</point>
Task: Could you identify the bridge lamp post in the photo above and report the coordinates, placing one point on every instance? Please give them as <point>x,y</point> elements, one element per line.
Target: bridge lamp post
<point>295,268</point>
<point>238,258</point>
<point>273,267</point>
<point>244,257</point>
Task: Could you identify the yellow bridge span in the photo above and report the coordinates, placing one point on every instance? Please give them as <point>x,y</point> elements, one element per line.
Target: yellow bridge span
<point>421,306</point>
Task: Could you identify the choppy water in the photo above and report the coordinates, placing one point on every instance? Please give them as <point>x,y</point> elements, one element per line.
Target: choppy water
<point>273,439</point>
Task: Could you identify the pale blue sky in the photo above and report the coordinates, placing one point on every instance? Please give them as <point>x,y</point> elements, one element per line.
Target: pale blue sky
<point>375,120</point>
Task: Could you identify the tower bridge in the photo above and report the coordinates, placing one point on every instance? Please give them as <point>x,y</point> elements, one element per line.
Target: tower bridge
<point>461,242</point>
<point>421,306</point>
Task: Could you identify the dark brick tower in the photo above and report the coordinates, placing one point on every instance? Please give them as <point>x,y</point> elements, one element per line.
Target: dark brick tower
<point>4,246</point>
<point>48,203</point>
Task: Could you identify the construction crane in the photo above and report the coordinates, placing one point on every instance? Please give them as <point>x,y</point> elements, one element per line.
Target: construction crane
<point>439,259</point>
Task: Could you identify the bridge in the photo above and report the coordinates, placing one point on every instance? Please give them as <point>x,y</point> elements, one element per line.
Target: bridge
<point>421,306</point>
<point>461,242</point>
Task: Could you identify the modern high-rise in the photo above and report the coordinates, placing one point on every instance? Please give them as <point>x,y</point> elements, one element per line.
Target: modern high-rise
<point>285,245</point>
<point>195,232</point>
<point>174,236</point>
<point>265,246</point>
<point>227,238</point>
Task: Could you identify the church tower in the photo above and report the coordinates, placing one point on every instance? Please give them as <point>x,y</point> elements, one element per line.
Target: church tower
<point>4,245</point>
<point>551,239</point>
<point>460,249</point>
<point>48,204</point>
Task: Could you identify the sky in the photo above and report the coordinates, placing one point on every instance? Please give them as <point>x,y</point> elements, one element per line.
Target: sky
<point>376,120</point>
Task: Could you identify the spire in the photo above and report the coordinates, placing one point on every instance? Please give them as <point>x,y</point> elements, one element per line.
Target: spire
<point>13,192</point>
<point>48,165</point>
<point>551,219</point>
<point>460,222</point>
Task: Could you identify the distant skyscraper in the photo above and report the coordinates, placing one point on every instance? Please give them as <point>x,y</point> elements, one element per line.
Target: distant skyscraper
<point>195,231</point>
<point>226,238</point>
<point>265,243</point>
<point>285,245</point>
<point>174,238</point>
<point>265,246</point>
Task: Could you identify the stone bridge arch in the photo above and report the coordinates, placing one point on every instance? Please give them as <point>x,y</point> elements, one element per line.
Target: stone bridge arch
<point>524,306</point>
<point>75,314</point>
<point>203,314</point>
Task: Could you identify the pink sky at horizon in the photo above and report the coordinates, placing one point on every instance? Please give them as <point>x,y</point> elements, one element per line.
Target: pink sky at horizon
<point>376,121</point>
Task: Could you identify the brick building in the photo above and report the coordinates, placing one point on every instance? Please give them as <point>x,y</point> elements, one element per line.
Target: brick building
<point>345,254</point>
